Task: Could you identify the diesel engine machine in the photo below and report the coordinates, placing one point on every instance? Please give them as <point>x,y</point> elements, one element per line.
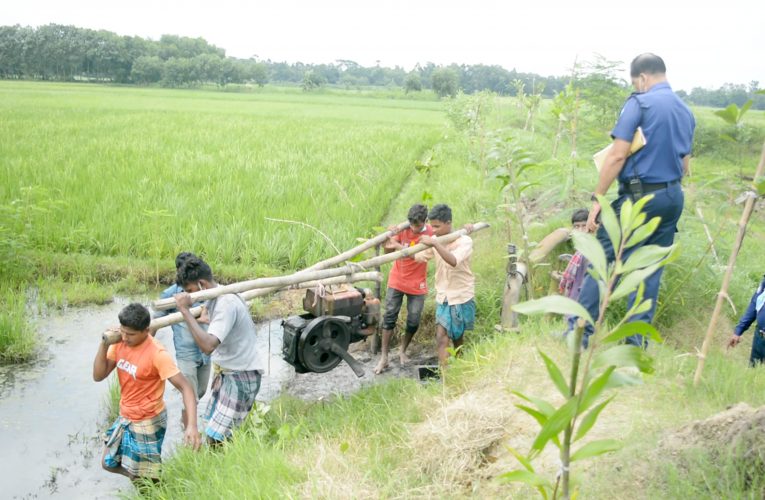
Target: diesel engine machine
<point>335,318</point>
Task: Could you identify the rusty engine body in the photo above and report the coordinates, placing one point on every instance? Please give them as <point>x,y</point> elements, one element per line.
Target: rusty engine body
<point>335,318</point>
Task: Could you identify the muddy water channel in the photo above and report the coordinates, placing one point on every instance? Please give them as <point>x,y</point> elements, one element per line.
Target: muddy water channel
<point>52,413</point>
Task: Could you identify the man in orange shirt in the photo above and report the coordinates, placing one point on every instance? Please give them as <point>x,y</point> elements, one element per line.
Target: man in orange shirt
<point>134,442</point>
<point>407,278</point>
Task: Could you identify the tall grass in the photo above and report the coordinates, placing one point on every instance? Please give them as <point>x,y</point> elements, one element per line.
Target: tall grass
<point>147,173</point>
<point>18,341</point>
<point>276,461</point>
<point>103,185</point>
<point>112,399</point>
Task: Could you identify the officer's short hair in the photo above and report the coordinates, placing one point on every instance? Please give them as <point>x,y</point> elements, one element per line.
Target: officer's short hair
<point>647,63</point>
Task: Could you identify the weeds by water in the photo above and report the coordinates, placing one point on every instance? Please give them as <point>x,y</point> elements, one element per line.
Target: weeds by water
<point>112,399</point>
<point>18,340</point>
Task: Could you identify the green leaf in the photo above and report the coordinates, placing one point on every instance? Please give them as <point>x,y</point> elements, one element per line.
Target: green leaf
<point>744,109</point>
<point>524,476</point>
<point>620,379</point>
<point>523,460</point>
<point>638,206</point>
<point>553,304</point>
<point>540,417</point>
<point>640,308</point>
<point>526,186</point>
<point>555,424</point>
<point>591,248</point>
<point>638,221</point>
<point>759,185</point>
<point>624,355</point>
<point>524,167</point>
<point>643,232</point>
<point>609,221</point>
<point>635,327</point>
<point>630,282</point>
<point>729,114</point>
<point>645,256</point>
<point>344,446</point>
<point>546,408</point>
<point>555,375</point>
<point>625,217</point>
<point>595,448</point>
<point>594,389</point>
<point>589,420</point>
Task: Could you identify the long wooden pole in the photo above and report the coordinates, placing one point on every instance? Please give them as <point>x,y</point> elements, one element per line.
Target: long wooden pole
<point>742,223</point>
<point>280,281</point>
<point>548,244</point>
<point>177,317</point>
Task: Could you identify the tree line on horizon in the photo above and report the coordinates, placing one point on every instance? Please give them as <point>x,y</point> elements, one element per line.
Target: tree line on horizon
<point>67,53</point>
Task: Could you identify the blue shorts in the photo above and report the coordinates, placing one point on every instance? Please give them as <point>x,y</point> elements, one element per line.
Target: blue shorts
<point>456,319</point>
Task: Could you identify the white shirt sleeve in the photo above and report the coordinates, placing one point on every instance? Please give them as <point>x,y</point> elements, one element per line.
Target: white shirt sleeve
<point>463,250</point>
<point>223,317</point>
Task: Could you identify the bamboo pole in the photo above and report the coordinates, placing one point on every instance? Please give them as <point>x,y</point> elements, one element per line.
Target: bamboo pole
<point>709,235</point>
<point>350,268</point>
<point>548,244</point>
<point>337,259</point>
<point>748,207</point>
<point>177,317</point>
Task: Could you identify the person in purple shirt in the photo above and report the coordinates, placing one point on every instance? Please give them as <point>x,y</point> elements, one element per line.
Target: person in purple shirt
<point>655,169</point>
<point>755,312</point>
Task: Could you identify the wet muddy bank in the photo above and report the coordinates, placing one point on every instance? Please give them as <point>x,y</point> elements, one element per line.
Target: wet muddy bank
<point>52,413</point>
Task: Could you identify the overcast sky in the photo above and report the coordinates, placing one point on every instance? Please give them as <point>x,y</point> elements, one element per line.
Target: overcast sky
<point>703,43</point>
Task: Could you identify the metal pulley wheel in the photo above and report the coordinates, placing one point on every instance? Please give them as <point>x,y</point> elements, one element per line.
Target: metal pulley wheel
<point>315,340</point>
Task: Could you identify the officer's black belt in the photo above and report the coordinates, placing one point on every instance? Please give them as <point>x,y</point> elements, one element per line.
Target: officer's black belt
<point>646,187</point>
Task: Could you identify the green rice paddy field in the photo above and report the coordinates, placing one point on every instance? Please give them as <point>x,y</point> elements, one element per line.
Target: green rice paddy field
<point>147,173</point>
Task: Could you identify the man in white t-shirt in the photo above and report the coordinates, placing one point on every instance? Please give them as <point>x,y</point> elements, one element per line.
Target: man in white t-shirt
<point>230,338</point>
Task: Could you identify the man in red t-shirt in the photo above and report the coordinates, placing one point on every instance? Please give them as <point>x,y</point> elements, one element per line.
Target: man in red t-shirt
<point>407,278</point>
<point>133,444</point>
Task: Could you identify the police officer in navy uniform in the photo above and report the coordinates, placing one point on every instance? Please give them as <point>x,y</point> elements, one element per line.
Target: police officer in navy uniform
<point>656,169</point>
<point>755,311</point>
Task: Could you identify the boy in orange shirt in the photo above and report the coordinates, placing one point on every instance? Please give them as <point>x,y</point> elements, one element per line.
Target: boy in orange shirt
<point>407,278</point>
<point>134,442</point>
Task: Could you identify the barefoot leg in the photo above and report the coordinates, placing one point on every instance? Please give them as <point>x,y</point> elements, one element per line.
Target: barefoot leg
<point>383,363</point>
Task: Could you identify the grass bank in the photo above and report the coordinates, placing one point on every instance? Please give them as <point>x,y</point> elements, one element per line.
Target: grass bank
<point>403,439</point>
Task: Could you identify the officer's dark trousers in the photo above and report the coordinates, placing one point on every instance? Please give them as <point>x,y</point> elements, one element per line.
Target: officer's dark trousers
<point>667,203</point>
<point>758,348</point>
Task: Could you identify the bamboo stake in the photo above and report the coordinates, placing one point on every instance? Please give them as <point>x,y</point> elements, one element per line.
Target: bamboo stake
<point>709,235</point>
<point>748,207</point>
<point>350,268</point>
<point>177,317</point>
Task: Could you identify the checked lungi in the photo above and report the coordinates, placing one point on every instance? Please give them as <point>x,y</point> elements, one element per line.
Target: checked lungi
<point>457,318</point>
<point>233,395</point>
<point>136,446</point>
